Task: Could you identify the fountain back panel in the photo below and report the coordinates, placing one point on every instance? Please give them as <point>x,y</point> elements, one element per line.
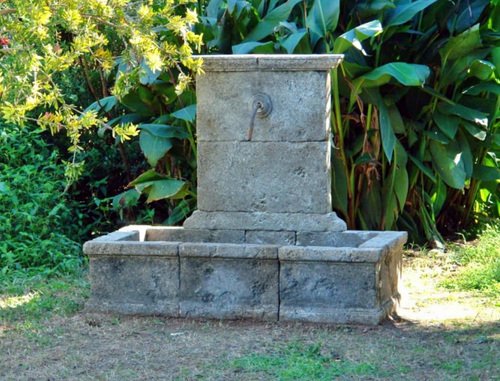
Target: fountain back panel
<point>264,243</point>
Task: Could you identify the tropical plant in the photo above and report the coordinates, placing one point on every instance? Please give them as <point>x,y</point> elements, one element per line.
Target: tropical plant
<point>415,102</point>
<point>135,58</point>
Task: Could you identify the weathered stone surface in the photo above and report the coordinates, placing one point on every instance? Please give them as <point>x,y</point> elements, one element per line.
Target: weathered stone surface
<point>265,221</point>
<point>343,284</point>
<point>272,176</point>
<point>118,236</point>
<point>370,316</point>
<point>227,250</point>
<point>270,62</point>
<point>194,235</point>
<point>270,237</point>
<point>229,288</point>
<point>333,239</point>
<point>386,239</point>
<point>134,285</point>
<point>300,106</point>
<point>330,254</point>
<point>132,248</point>
<point>327,285</point>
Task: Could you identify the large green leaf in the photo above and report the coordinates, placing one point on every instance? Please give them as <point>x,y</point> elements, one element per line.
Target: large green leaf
<point>253,47</point>
<point>371,210</point>
<point>405,11</point>
<point>355,36</point>
<point>467,113</point>
<point>386,130</point>
<point>146,75</point>
<point>404,73</point>
<point>126,199</point>
<point>460,68</point>
<point>447,161</point>
<point>482,69</point>
<point>164,130</point>
<point>374,7</point>
<point>491,87</point>
<point>469,13</point>
<point>157,186</point>
<point>461,45</point>
<point>154,147</point>
<point>213,8</point>
<point>396,119</point>
<point>293,40</point>
<point>466,157</point>
<point>105,104</point>
<point>180,212</point>
<point>438,198</point>
<point>474,130</point>
<point>160,189</point>
<point>448,124</point>
<point>485,173</point>
<point>395,188</point>
<point>135,102</point>
<point>425,170</point>
<point>323,17</point>
<point>187,114</point>
<point>266,26</point>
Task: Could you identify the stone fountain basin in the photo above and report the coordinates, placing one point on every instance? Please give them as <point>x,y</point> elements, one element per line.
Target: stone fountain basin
<point>328,277</point>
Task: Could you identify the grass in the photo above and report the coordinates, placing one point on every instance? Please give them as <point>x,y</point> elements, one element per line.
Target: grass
<point>477,264</point>
<point>26,301</point>
<point>299,362</point>
<point>445,333</point>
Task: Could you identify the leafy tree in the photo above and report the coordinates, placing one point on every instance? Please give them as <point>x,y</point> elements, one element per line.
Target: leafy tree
<point>128,43</point>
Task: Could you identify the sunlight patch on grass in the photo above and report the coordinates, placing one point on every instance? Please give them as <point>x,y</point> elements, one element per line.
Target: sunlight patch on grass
<point>14,301</point>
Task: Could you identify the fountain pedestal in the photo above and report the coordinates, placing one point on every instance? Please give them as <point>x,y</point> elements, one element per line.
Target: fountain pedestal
<point>264,242</point>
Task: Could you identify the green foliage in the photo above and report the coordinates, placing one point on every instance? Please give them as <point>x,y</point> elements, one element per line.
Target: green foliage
<point>135,58</point>
<point>479,264</point>
<point>39,226</point>
<point>415,102</point>
<point>299,362</point>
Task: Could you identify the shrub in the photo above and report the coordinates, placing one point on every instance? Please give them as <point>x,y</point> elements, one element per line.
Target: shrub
<point>135,58</point>
<point>39,227</point>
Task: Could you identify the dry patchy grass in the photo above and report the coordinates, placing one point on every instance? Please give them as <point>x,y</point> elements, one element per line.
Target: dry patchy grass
<point>442,335</point>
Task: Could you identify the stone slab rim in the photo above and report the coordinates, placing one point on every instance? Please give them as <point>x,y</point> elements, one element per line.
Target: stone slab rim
<point>270,62</point>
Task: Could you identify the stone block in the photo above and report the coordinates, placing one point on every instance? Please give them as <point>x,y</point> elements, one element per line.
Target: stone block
<point>226,250</point>
<point>215,285</point>
<point>300,106</point>
<point>276,177</point>
<point>194,235</point>
<point>118,236</point>
<point>270,237</point>
<point>134,284</point>
<point>265,221</point>
<point>342,284</point>
<point>270,62</point>
<point>317,291</point>
<point>333,239</point>
<point>133,248</point>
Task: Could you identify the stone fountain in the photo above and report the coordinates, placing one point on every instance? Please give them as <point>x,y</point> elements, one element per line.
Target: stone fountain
<point>264,243</point>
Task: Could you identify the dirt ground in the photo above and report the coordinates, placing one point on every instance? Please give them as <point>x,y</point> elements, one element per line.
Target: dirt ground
<point>441,335</point>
